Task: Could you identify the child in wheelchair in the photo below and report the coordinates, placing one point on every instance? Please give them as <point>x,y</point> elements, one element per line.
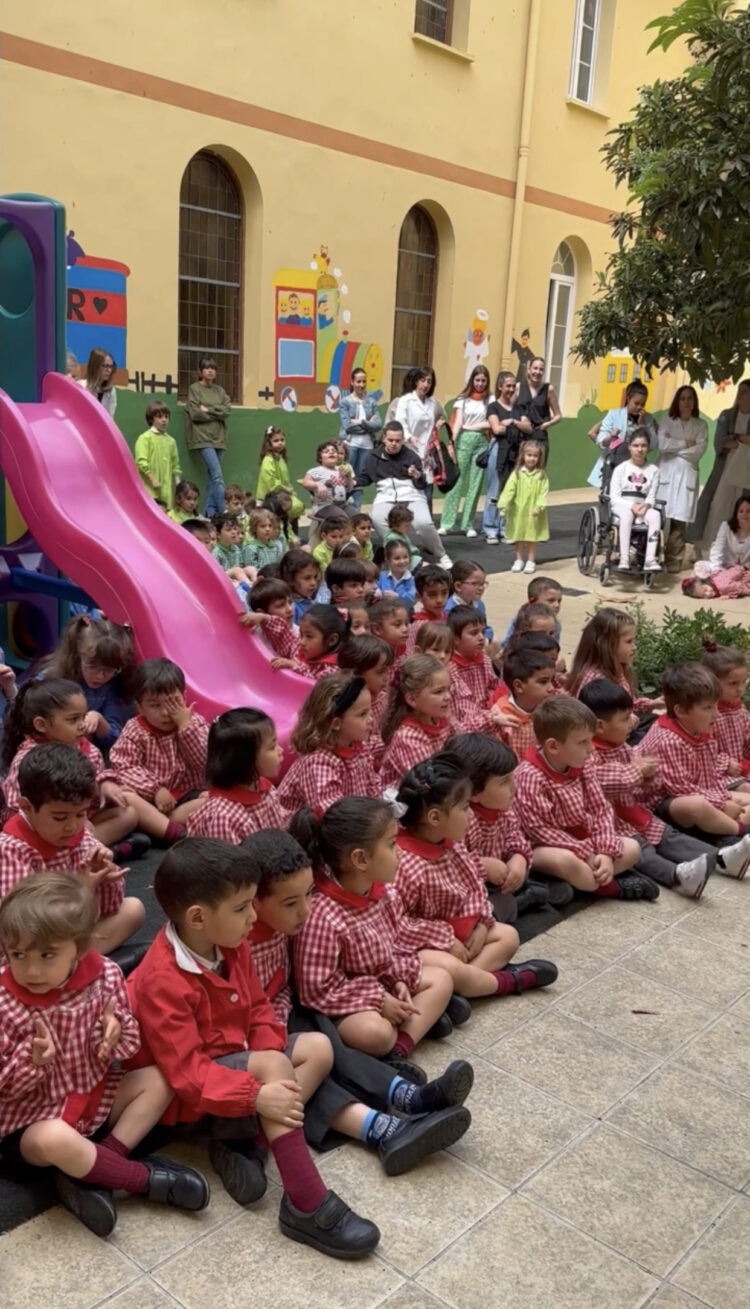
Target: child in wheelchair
<point>630,488</point>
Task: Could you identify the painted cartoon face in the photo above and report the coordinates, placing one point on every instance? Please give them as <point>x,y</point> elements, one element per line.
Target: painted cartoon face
<point>294,302</point>
<point>477,336</point>
<point>373,366</point>
<point>283,307</point>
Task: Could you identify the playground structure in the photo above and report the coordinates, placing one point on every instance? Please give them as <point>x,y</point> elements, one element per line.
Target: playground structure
<point>86,512</point>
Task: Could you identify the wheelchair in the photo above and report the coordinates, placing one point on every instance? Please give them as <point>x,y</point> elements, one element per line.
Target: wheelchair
<point>599,535</point>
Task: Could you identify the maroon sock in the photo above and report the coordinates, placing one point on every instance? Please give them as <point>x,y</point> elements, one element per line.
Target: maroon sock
<point>404,1045</point>
<point>742,829</point>
<point>117,1147</point>
<point>299,1176</point>
<point>174,832</point>
<point>610,890</point>
<point>111,1169</point>
<point>506,982</point>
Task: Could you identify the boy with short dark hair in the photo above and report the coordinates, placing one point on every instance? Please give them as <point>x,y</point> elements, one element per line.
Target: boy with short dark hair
<point>528,678</point>
<point>433,586</point>
<point>345,579</point>
<point>211,1030</point>
<point>200,529</point>
<point>228,548</point>
<point>332,531</point>
<point>472,675</point>
<point>564,812</point>
<point>362,534</point>
<point>156,455</point>
<point>541,590</point>
<point>389,619</point>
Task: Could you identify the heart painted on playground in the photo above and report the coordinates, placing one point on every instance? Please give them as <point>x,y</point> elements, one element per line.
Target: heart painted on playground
<point>100,304</point>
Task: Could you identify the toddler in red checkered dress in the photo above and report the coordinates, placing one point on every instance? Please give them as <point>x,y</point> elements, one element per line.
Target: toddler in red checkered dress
<point>336,755</point>
<point>606,649</point>
<point>417,722</point>
<point>732,727</point>
<point>322,632</point>
<point>389,619</point>
<point>372,659</point>
<point>65,1027</point>
<point>433,586</point>
<point>473,679</point>
<point>449,918</point>
<point>57,786</point>
<point>347,960</point>
<point>160,755</point>
<point>244,760</point>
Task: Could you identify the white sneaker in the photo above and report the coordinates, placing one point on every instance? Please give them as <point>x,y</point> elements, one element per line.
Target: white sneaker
<point>651,566</point>
<point>692,877</point>
<point>442,531</point>
<point>445,561</point>
<point>517,566</point>
<point>623,568</point>
<point>491,539</point>
<point>530,566</point>
<point>470,533</point>
<point>733,860</point>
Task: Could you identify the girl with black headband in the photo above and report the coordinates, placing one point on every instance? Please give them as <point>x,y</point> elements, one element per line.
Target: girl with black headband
<point>334,755</point>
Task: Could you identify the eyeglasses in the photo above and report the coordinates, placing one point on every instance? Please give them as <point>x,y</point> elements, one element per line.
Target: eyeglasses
<point>91,666</point>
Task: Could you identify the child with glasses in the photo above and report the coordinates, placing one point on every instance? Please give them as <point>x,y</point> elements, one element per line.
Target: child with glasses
<point>98,655</point>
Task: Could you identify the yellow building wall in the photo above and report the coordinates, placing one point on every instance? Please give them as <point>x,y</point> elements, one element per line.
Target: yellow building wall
<point>314,106</point>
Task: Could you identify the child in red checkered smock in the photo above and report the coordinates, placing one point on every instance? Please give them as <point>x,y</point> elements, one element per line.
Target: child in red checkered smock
<point>606,649</point>
<point>564,812</point>
<point>529,676</point>
<point>433,586</point>
<point>347,962</point>
<point>336,754</point>
<point>57,785</point>
<point>160,756</point>
<point>244,759</point>
<point>372,659</point>
<point>322,632</point>
<point>417,723</point>
<point>732,727</point>
<point>65,1027</point>
<point>359,1095</point>
<point>449,917</point>
<point>272,616</point>
<point>672,858</point>
<point>473,679</point>
<point>54,711</point>
<point>691,784</point>
<point>494,833</point>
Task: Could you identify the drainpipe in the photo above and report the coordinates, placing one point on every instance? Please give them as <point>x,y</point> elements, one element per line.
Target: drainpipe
<point>522,165</point>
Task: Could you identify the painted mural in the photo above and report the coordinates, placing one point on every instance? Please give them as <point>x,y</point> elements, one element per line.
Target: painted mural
<point>97,304</point>
<point>477,343</point>
<point>314,354</point>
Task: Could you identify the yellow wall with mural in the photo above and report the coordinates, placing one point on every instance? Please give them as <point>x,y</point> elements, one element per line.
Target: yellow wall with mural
<point>335,120</point>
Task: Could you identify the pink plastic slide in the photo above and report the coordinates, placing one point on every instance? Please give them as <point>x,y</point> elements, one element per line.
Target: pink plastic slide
<point>75,482</point>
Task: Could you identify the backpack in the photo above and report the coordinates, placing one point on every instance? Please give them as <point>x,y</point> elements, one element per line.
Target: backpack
<point>440,459</point>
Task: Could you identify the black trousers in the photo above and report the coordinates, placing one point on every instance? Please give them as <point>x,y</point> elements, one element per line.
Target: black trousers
<point>659,862</point>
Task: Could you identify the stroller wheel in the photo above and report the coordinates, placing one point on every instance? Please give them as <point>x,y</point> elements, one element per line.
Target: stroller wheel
<point>588,540</point>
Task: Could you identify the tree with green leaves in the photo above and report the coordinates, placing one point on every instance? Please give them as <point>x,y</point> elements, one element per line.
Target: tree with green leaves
<point>675,289</point>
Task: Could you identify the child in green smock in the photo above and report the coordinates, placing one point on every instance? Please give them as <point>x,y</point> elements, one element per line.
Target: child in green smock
<point>156,456</point>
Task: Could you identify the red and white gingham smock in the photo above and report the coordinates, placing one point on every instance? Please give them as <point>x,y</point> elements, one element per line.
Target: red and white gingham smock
<point>688,765</point>
<point>443,893</point>
<point>77,1085</point>
<point>281,636</point>
<point>145,759</point>
<point>496,834</point>
<point>621,782</point>
<point>314,669</point>
<point>346,957</point>
<point>520,736</point>
<point>412,742</point>
<point>568,810</point>
<point>317,780</point>
<point>10,784</point>
<point>640,702</point>
<point>271,951</point>
<point>732,733</point>
<point>233,814</point>
<point>23,852</point>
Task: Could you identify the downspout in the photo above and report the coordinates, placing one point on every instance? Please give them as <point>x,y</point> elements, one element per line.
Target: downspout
<point>522,166</point>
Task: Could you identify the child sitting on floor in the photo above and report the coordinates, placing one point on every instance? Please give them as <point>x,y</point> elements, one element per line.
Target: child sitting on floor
<point>669,857</point>
<point>732,727</point>
<point>400,521</point>
<point>303,576</point>
<point>417,720</point>
<point>469,581</point>
<point>564,812</point>
<point>322,632</point>
<point>347,963</point>
<point>186,497</point>
<point>546,591</point>
<point>160,757</point>
<point>99,656</point>
<point>433,1118</point>
<point>396,578</point>
<point>368,657</point>
<point>235,503</point>
<point>48,834</point>
<point>389,619</point>
<point>606,649</point>
<point>332,758</point>
<point>435,639</point>
<point>66,1027</point>
<point>243,761</point>
<point>264,543</point>
<point>228,549</point>
<point>201,530</point>
<point>528,678</point>
<point>473,679</point>
<point>433,588</point>
<point>331,532</point>
<point>345,579</point>
<point>362,534</point>
<point>212,1033</point>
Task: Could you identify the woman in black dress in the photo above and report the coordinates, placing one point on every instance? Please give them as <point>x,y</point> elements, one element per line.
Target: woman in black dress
<point>537,400</point>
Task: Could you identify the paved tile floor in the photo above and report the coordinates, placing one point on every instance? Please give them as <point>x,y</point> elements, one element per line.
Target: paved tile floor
<point>607,1166</point>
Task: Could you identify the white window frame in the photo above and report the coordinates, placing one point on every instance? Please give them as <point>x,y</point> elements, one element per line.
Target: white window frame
<point>555,282</point>
<point>575,63</point>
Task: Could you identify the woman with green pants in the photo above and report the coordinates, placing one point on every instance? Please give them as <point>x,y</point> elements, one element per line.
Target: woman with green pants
<point>471,432</point>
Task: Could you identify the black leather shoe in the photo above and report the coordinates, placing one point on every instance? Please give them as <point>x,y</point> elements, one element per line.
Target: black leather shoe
<point>176,1184</point>
<point>128,956</point>
<point>636,886</point>
<point>453,1086</point>
<point>416,1138</point>
<point>134,846</point>
<point>441,1028</point>
<point>93,1205</point>
<point>531,896</point>
<point>406,1069</point>
<point>244,1176</point>
<point>558,892</point>
<point>333,1228</point>
<point>545,973</point>
<point>458,1010</point>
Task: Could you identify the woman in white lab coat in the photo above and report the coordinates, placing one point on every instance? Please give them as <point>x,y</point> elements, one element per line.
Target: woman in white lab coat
<point>683,439</point>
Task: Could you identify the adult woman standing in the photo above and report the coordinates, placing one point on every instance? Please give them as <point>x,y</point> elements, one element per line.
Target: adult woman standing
<point>508,427</point>
<point>419,413</point>
<point>100,379</point>
<point>397,474</point>
<point>206,411</point>
<point>683,438</point>
<point>470,427</point>
<point>730,474</point>
<point>537,401</point>
<point>359,420</point>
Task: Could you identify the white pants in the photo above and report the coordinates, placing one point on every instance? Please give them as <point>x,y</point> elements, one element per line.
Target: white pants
<point>652,517</point>
<point>423,527</point>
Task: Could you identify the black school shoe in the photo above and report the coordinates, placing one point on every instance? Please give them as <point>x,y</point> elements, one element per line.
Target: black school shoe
<point>93,1205</point>
<point>636,886</point>
<point>134,846</point>
<point>176,1184</point>
<point>243,1175</point>
<point>416,1138</point>
<point>441,1028</point>
<point>453,1086</point>
<point>558,892</point>
<point>406,1069</point>
<point>458,1010</point>
<point>543,970</point>
<point>531,896</point>
<point>333,1228</point>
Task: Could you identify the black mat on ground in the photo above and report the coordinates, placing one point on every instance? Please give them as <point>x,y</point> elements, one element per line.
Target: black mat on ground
<point>564,521</point>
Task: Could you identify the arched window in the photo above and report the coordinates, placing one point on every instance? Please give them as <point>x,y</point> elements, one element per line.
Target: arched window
<point>210,304</point>
<point>416,285</point>
<point>560,302</point>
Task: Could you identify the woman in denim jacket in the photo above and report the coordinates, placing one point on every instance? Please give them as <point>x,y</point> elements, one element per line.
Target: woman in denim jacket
<point>358,421</point>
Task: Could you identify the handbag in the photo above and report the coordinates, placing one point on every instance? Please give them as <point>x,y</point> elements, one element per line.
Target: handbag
<point>441,461</point>
<point>483,458</point>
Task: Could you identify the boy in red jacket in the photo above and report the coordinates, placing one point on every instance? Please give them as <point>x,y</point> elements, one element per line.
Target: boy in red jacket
<point>210,1029</point>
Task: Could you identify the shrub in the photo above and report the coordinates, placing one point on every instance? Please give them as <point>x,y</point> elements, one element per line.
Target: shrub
<point>677,640</point>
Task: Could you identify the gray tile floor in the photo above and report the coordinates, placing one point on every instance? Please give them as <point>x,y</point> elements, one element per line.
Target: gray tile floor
<point>607,1167</point>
